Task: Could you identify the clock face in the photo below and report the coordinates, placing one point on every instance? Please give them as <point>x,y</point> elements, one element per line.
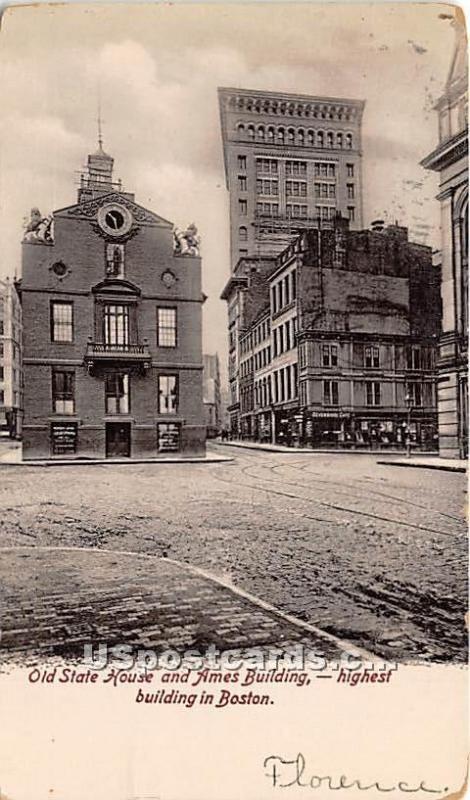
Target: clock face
<point>114,219</point>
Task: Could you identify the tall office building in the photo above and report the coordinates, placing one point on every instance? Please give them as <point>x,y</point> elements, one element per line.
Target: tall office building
<point>291,162</point>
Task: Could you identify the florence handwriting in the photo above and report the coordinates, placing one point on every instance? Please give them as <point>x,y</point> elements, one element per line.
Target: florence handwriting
<point>285,773</point>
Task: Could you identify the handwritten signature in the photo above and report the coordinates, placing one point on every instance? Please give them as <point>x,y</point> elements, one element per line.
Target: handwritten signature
<point>285,773</point>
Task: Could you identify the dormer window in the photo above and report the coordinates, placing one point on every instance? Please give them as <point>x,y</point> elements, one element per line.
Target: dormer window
<point>114,260</point>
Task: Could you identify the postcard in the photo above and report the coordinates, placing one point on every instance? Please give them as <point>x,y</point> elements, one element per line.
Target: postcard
<point>233,401</point>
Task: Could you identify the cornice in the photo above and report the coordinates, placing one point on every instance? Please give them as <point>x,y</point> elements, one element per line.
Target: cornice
<point>447,152</point>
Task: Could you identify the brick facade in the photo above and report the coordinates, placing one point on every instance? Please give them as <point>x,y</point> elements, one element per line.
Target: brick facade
<point>112,335</point>
<point>344,353</point>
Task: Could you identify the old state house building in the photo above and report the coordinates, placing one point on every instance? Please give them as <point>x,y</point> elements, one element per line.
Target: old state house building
<point>112,309</point>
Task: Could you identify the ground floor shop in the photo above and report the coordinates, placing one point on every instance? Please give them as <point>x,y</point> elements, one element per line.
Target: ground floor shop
<point>294,427</point>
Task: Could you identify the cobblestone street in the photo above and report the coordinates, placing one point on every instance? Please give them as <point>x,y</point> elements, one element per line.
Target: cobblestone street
<point>369,553</point>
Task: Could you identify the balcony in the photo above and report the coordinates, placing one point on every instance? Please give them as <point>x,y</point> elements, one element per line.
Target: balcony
<point>99,354</point>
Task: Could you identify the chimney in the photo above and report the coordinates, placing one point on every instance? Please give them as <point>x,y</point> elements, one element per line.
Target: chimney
<point>377,225</point>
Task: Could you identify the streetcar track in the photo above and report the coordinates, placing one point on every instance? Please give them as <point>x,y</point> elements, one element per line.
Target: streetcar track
<point>397,500</point>
<point>334,506</point>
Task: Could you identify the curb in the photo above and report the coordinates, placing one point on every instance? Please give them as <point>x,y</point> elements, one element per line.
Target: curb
<point>341,644</point>
<point>443,467</point>
<point>114,462</point>
<point>318,451</point>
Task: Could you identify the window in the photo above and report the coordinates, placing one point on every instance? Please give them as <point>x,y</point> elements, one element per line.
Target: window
<point>413,357</point>
<point>296,188</point>
<point>241,162</point>
<point>1,349</point>
<point>324,170</point>
<point>243,207</point>
<point>1,374</point>
<point>415,391</point>
<point>349,141</point>
<point>2,396</point>
<point>242,183</point>
<point>63,391</point>
<point>371,357</point>
<point>267,187</point>
<point>61,322</point>
<point>116,325</point>
<point>115,260</point>
<point>296,169</point>
<point>243,233</point>
<point>296,211</point>
<point>330,355</point>
<point>166,327</point>
<point>168,437</point>
<point>167,394</point>
<point>350,188</point>
<point>330,393</point>
<point>266,166</point>
<point>117,393</point>
<point>351,213</point>
<point>325,190</point>
<point>268,209</point>
<point>350,170</point>
<point>373,393</point>
<point>1,327</point>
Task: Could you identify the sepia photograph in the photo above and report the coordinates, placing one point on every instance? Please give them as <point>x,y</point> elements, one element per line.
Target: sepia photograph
<point>233,399</point>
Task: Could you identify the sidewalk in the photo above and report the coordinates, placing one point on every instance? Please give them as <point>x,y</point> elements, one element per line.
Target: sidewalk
<point>279,448</point>
<point>57,599</point>
<point>428,462</point>
<point>11,456</point>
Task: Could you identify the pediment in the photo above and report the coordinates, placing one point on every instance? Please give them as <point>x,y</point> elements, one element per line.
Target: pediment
<point>116,286</point>
<point>89,209</point>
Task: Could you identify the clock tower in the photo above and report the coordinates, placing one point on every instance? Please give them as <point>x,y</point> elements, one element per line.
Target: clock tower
<point>112,311</point>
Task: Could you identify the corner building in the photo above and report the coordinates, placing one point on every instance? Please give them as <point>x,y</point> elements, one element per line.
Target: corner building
<point>112,315</point>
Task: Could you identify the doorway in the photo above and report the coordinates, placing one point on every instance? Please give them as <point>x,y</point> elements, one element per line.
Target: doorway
<point>118,439</point>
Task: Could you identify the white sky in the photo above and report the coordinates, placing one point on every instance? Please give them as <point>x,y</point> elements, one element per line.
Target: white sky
<point>159,68</point>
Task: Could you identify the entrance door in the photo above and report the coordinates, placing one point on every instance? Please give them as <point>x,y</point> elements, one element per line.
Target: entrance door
<point>118,439</point>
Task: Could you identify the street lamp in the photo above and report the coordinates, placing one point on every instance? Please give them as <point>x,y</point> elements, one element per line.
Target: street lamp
<point>409,404</point>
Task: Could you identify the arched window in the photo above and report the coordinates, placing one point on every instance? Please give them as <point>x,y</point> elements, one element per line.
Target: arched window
<point>280,135</point>
<point>271,134</point>
<point>301,137</point>
<point>243,233</point>
<point>261,133</point>
<point>320,139</point>
<point>339,140</point>
<point>310,138</point>
<point>241,128</point>
<point>251,131</point>
<point>291,136</point>
<point>349,141</point>
<point>329,139</point>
